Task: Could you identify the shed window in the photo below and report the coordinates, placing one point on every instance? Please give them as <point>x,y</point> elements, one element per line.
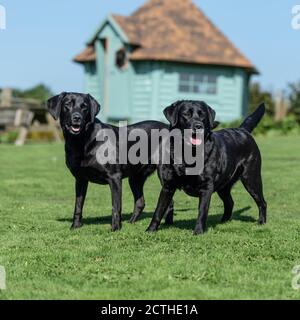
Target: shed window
<point>198,83</point>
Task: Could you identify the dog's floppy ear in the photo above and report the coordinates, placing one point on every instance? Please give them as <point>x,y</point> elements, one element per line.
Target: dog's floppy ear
<point>211,117</point>
<point>216,124</point>
<point>95,107</point>
<point>54,105</point>
<point>171,113</point>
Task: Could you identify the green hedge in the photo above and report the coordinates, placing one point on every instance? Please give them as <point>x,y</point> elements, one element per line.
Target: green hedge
<point>9,137</point>
<point>269,127</point>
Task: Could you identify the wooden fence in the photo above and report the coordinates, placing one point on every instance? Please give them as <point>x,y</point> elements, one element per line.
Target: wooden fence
<point>25,116</point>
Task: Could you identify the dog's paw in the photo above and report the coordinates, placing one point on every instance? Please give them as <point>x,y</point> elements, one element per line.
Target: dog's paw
<point>262,222</point>
<point>133,219</point>
<point>198,231</point>
<point>76,225</point>
<point>152,228</point>
<point>169,221</point>
<point>116,227</point>
<point>225,219</point>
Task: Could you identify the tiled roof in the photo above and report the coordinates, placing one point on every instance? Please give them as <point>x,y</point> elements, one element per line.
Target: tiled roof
<point>87,55</point>
<point>176,30</point>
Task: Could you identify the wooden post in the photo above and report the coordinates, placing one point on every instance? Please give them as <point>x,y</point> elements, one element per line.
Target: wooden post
<point>6,97</point>
<point>281,106</point>
<point>25,118</point>
<point>54,128</point>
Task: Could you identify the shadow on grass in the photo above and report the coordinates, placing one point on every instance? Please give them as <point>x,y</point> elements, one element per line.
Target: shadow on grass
<point>107,219</point>
<point>188,224</point>
<point>212,221</point>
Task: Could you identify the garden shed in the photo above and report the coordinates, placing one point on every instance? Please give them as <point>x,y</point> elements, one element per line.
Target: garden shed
<point>167,50</point>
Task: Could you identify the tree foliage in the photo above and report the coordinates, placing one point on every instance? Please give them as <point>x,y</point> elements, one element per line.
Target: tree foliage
<point>294,99</point>
<point>257,95</point>
<point>39,92</point>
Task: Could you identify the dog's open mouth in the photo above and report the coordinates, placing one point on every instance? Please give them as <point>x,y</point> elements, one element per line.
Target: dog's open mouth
<point>75,128</point>
<point>195,140</point>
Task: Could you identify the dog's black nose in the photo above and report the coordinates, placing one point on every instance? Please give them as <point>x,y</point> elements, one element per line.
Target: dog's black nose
<point>76,117</point>
<point>198,126</point>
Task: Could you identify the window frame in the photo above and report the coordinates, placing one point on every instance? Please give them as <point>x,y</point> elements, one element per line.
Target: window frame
<point>198,83</point>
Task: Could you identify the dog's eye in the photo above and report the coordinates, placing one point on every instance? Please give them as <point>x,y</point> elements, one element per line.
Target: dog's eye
<point>200,115</point>
<point>67,106</point>
<point>84,106</point>
<point>186,114</point>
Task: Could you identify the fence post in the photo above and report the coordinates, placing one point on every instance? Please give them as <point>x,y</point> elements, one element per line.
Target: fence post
<point>281,106</point>
<point>6,97</point>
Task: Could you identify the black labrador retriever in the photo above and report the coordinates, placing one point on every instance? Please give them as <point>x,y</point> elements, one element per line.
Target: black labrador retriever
<point>229,155</point>
<point>77,114</point>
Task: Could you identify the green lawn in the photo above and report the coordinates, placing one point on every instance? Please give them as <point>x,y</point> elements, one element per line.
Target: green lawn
<point>44,259</point>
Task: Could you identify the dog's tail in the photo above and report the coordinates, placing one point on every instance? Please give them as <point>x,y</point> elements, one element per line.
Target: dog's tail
<point>253,120</point>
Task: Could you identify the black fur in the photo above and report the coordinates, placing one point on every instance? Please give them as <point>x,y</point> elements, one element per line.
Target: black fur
<point>230,155</point>
<point>77,115</point>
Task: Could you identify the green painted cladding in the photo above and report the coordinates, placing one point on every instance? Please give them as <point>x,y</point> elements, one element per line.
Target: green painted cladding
<point>117,84</point>
<point>109,84</point>
<point>92,79</point>
<point>143,89</point>
<point>155,85</point>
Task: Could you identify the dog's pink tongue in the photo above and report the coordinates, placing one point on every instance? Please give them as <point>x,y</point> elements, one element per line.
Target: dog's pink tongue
<point>196,142</point>
<point>75,129</point>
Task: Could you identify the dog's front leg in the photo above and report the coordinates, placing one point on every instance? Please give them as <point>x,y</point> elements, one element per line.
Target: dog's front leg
<point>204,202</point>
<point>80,189</point>
<point>116,194</point>
<point>165,199</point>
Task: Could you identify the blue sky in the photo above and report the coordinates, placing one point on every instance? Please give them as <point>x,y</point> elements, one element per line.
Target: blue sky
<point>42,37</point>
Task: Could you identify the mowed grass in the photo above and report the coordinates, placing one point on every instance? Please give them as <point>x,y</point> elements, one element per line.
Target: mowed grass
<point>237,260</point>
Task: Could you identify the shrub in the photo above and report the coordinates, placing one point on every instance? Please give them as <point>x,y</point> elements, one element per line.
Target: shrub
<point>294,99</point>
<point>268,126</point>
<point>9,137</point>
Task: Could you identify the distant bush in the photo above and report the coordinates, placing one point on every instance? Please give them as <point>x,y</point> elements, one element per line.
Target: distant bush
<point>294,99</point>
<point>39,92</point>
<point>9,137</point>
<point>268,126</point>
<point>257,95</point>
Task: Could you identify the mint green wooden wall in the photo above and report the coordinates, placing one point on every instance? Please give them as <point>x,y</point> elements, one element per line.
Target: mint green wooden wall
<point>92,80</point>
<point>143,89</point>
<point>155,86</point>
<point>110,85</point>
<point>117,80</point>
